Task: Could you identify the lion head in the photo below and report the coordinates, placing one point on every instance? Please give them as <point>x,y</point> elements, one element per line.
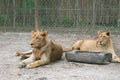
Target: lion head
<point>103,38</point>
<point>38,39</point>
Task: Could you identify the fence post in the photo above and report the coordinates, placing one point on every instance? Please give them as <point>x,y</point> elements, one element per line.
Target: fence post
<point>75,13</point>
<point>14,14</point>
<point>93,18</point>
<point>36,15</point>
<point>118,15</point>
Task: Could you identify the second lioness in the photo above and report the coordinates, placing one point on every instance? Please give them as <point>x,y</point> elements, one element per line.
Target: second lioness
<point>102,44</point>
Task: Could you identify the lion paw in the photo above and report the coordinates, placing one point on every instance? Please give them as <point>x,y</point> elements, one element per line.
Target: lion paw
<point>21,65</point>
<point>116,60</point>
<point>29,66</point>
<point>18,53</point>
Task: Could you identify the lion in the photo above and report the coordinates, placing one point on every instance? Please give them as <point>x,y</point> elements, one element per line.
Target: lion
<point>44,51</point>
<point>102,44</point>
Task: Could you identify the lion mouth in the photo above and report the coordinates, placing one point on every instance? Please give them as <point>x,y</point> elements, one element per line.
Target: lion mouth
<point>31,45</point>
<point>102,43</point>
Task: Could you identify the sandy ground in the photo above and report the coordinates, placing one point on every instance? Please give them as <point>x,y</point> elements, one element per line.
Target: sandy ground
<point>61,70</point>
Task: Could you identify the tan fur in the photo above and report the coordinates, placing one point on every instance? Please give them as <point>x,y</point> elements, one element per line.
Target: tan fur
<point>102,44</point>
<point>24,55</point>
<point>44,51</point>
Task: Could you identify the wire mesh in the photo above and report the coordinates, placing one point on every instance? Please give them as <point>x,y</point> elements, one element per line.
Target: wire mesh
<point>78,16</point>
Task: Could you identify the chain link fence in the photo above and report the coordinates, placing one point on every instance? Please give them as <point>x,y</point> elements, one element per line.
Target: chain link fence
<point>77,16</point>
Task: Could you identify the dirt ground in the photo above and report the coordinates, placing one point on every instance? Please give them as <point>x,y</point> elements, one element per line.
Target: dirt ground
<point>61,70</point>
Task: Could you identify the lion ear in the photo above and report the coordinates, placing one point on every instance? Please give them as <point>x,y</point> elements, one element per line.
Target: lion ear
<point>44,34</point>
<point>108,33</point>
<point>99,32</point>
<point>32,32</point>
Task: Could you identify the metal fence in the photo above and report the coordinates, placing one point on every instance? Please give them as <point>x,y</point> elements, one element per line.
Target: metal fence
<point>85,16</point>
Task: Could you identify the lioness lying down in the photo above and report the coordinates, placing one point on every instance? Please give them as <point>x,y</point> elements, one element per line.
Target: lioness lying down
<point>44,51</point>
<point>102,44</point>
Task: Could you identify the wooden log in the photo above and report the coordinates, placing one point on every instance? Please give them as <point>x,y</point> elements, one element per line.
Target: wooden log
<point>89,57</point>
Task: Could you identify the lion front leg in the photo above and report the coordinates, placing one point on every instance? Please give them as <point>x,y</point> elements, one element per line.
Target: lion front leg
<point>43,61</point>
<point>23,63</point>
<point>115,58</point>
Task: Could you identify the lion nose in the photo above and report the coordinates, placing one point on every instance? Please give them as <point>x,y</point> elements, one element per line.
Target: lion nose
<point>31,44</point>
<point>100,41</point>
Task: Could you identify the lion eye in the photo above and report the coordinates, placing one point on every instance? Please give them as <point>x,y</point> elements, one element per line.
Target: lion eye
<point>103,36</point>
